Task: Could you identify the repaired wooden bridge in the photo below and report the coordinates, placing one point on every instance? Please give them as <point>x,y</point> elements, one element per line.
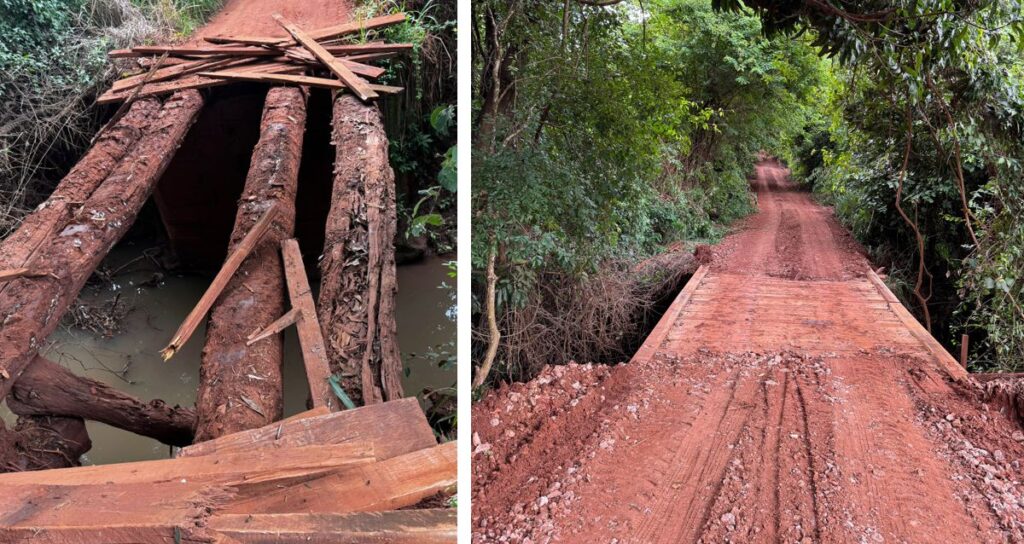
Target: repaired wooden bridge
<point>785,396</point>
<point>327,475</point>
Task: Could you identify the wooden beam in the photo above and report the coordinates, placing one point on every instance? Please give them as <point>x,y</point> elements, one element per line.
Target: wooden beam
<point>294,80</point>
<point>194,82</point>
<point>356,84</point>
<point>147,50</point>
<point>178,70</point>
<point>432,526</point>
<point>251,467</point>
<point>219,283</point>
<point>391,428</point>
<point>48,389</point>
<point>314,354</point>
<point>385,485</point>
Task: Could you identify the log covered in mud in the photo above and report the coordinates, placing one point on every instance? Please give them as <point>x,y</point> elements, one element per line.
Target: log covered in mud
<point>32,307</point>
<point>46,388</point>
<point>358,285</point>
<point>240,385</point>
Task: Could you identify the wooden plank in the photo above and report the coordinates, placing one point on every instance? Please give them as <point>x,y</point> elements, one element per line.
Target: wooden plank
<point>260,465</point>
<point>311,340</point>
<point>192,82</point>
<point>432,526</point>
<point>668,320</point>
<point>147,50</point>
<point>355,83</point>
<point>385,485</point>
<point>355,49</point>
<point>939,353</point>
<point>106,513</point>
<point>295,80</point>
<point>178,70</point>
<point>391,428</point>
<point>219,282</point>
<point>320,34</point>
<point>280,324</point>
<point>14,273</point>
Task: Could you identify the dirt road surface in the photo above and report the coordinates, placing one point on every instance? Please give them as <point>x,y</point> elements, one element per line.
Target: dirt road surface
<point>786,396</point>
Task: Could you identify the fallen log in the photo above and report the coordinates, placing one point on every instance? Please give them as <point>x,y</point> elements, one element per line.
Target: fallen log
<point>46,388</point>
<point>232,369</point>
<point>391,428</point>
<point>31,308</point>
<point>358,284</point>
<point>436,526</point>
<point>311,340</point>
<point>385,485</point>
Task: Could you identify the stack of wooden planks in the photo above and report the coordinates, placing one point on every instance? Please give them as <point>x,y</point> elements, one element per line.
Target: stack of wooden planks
<point>322,57</point>
<point>316,477</point>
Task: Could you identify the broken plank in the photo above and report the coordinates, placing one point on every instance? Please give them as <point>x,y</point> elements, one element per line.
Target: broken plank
<point>219,283</point>
<point>262,465</point>
<point>14,273</point>
<point>311,340</point>
<point>303,56</point>
<point>178,70</point>
<point>295,80</point>
<point>391,428</point>
<point>280,324</point>
<point>385,485</point>
<point>432,526</point>
<point>355,83</point>
<point>193,82</point>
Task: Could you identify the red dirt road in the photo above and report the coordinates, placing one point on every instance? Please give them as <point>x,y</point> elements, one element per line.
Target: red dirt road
<point>786,396</point>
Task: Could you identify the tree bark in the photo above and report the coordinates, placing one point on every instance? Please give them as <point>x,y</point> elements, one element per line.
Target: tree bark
<point>32,307</point>
<point>240,386</point>
<point>43,442</point>
<point>358,284</point>
<point>48,389</point>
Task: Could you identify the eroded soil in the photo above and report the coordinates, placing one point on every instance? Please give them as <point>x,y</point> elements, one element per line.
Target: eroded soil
<point>785,401</point>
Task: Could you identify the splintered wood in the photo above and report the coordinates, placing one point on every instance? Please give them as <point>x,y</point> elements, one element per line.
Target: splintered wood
<point>353,476</point>
<point>309,57</point>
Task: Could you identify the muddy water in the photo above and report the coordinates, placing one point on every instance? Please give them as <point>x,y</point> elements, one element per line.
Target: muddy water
<point>130,361</point>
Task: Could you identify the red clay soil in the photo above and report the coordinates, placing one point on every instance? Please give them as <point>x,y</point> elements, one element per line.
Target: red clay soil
<point>781,399</point>
<point>253,17</point>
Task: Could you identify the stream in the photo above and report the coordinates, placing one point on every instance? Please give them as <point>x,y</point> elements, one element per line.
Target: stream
<point>158,303</point>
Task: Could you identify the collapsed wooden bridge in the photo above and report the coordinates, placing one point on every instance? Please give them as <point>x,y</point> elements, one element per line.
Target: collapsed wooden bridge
<point>244,474</point>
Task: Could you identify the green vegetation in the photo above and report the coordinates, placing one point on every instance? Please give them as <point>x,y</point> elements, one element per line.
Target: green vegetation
<point>53,61</point>
<point>605,130</point>
<point>602,134</point>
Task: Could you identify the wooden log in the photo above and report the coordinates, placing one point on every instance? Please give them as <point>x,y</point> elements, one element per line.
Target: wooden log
<point>255,469</point>
<point>234,374</point>
<point>47,388</point>
<point>307,81</point>
<point>219,283</point>
<point>105,153</point>
<point>31,308</point>
<point>320,34</point>
<point>358,285</point>
<point>356,84</point>
<point>314,354</point>
<point>392,429</point>
<point>434,526</point>
<point>385,485</point>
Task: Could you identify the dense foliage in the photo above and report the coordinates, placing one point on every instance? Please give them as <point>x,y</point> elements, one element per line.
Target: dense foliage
<point>603,133</point>
<point>923,114</point>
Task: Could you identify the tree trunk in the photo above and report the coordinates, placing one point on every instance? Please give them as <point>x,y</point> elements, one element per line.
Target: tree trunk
<point>358,285</point>
<point>240,386</point>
